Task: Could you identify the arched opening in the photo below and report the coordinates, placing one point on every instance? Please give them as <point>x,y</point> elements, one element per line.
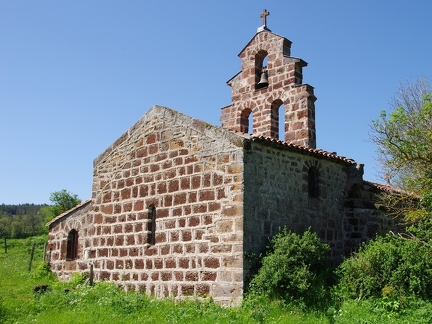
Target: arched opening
<point>277,122</point>
<point>246,121</point>
<point>250,129</point>
<point>72,245</point>
<point>313,182</point>
<point>282,123</point>
<point>261,73</point>
<point>151,225</point>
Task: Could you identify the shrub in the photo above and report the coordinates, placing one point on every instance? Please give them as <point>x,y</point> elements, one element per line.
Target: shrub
<point>421,226</point>
<point>77,279</point>
<point>390,267</point>
<point>42,270</point>
<point>293,266</point>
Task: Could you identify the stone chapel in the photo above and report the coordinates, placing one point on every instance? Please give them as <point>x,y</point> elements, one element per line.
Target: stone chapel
<point>177,203</point>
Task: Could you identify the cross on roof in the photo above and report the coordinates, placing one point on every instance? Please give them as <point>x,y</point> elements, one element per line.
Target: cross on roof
<point>264,15</point>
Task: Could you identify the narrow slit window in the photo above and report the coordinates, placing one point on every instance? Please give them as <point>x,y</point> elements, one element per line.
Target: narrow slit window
<point>313,182</point>
<point>72,245</point>
<point>151,225</point>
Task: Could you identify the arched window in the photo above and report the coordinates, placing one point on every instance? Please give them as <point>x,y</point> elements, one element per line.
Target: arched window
<point>313,182</point>
<point>151,225</point>
<point>246,121</point>
<point>250,128</point>
<point>72,245</point>
<point>277,120</point>
<point>281,123</point>
<point>260,67</point>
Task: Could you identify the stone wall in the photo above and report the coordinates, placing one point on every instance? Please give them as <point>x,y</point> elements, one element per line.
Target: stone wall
<point>78,219</point>
<point>192,173</point>
<point>276,195</point>
<point>363,222</point>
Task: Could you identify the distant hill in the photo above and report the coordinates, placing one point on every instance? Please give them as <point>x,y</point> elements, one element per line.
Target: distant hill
<point>19,221</point>
<point>21,209</point>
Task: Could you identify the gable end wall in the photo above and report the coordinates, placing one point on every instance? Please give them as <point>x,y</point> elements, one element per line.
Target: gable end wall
<point>192,172</point>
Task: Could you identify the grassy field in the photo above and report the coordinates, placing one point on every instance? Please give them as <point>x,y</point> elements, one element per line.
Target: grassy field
<point>77,302</point>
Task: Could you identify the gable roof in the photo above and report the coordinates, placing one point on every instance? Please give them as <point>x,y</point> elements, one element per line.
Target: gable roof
<point>171,118</point>
<point>68,212</point>
<point>332,156</point>
<point>263,31</point>
<point>373,186</point>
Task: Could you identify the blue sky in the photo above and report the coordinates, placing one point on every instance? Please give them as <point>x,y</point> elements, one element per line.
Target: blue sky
<point>75,75</point>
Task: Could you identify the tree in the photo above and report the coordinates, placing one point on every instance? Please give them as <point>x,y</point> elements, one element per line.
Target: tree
<point>404,138</point>
<point>18,221</point>
<point>5,224</point>
<point>398,266</point>
<point>62,201</point>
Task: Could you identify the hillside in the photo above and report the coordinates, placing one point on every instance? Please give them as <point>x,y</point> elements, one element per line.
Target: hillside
<point>20,221</point>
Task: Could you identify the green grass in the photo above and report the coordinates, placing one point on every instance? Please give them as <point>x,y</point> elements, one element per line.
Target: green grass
<point>105,303</point>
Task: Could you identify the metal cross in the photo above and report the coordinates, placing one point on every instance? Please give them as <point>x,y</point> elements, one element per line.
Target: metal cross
<point>264,15</point>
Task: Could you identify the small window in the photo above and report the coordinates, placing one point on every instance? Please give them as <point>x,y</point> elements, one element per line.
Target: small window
<point>151,225</point>
<point>72,245</point>
<point>246,121</point>
<point>277,120</point>
<point>313,182</point>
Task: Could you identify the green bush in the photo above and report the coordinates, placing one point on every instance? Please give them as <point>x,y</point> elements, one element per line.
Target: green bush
<point>293,267</point>
<point>421,227</point>
<point>42,270</point>
<point>390,267</point>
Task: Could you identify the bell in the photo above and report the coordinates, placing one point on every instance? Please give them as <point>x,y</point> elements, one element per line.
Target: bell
<point>263,82</point>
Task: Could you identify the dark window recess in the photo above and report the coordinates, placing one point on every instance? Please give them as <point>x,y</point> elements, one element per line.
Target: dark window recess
<point>313,182</point>
<point>151,225</point>
<point>72,245</point>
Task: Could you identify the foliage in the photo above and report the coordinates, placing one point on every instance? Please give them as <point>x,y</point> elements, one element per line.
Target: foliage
<point>20,221</point>
<point>404,138</point>
<point>78,302</point>
<point>421,229</point>
<point>104,302</point>
<point>391,267</point>
<point>397,267</point>
<point>21,209</point>
<point>293,266</point>
<point>42,270</point>
<point>61,201</point>
<point>381,310</point>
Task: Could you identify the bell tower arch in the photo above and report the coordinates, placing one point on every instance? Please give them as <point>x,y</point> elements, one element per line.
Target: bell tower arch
<point>259,90</point>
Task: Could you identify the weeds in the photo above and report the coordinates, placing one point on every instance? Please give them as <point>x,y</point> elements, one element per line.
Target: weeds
<point>78,302</point>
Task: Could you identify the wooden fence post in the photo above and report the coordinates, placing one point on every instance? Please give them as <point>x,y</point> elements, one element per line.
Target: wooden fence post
<point>44,253</point>
<point>31,256</point>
